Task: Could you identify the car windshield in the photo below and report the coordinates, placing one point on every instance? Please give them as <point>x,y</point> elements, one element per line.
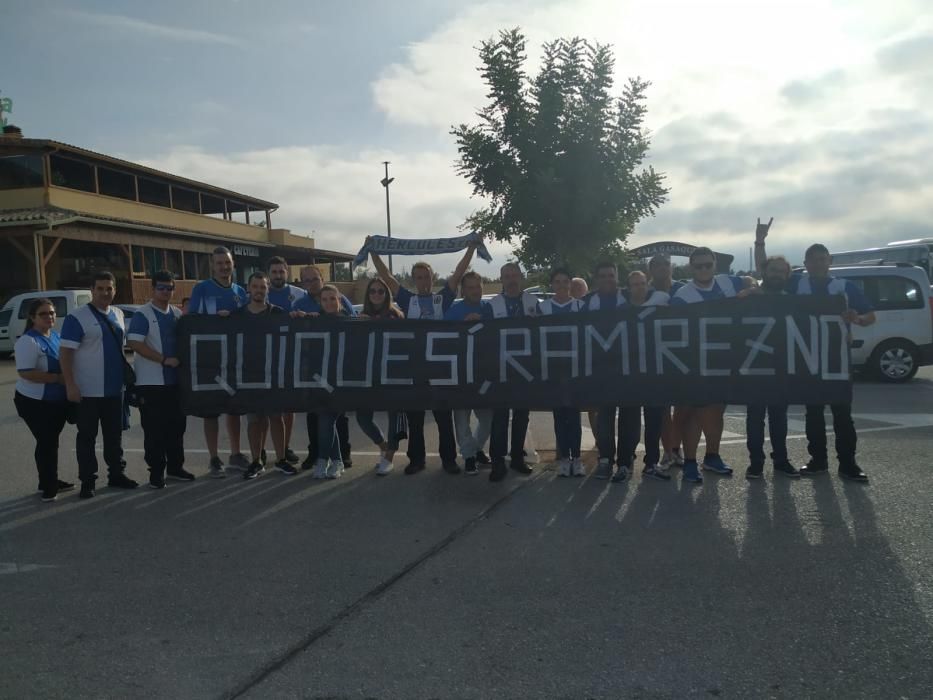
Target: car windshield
<point>5,317</point>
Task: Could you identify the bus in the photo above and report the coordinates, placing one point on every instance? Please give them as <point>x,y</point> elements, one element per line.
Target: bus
<point>918,252</point>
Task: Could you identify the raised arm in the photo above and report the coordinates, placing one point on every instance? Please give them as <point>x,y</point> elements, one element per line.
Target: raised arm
<point>453,282</point>
<point>384,273</point>
<point>761,232</point>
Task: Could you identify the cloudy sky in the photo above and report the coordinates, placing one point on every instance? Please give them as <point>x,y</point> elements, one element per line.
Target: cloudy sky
<point>818,113</point>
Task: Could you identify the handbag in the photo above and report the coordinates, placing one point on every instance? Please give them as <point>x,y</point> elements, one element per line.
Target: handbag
<point>129,374</point>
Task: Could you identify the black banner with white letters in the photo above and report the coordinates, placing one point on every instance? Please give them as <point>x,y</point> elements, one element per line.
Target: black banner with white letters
<point>763,349</point>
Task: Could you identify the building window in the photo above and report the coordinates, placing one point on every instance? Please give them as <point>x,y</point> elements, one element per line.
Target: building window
<point>236,211</point>
<point>139,261</point>
<point>73,174</point>
<point>21,171</point>
<point>153,192</point>
<point>197,266</point>
<point>212,206</point>
<point>173,262</point>
<point>116,184</point>
<point>186,200</point>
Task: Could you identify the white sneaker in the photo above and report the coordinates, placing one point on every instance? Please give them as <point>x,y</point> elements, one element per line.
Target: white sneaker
<point>384,467</point>
<point>678,458</point>
<point>666,460</point>
<point>563,467</point>
<point>320,470</point>
<point>335,470</point>
<point>577,468</point>
<point>532,457</point>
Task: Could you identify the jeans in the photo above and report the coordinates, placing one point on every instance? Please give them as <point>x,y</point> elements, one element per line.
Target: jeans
<point>843,427</point>
<point>369,427</point>
<point>755,433</point>
<point>327,440</point>
<point>445,433</point>
<point>606,433</point>
<point>45,420</point>
<point>630,420</point>
<point>499,440</point>
<point>343,436</point>
<point>472,441</point>
<point>107,412</point>
<point>569,432</point>
<point>163,428</point>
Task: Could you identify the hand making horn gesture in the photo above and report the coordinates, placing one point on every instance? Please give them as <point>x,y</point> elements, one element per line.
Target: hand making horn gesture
<point>761,230</point>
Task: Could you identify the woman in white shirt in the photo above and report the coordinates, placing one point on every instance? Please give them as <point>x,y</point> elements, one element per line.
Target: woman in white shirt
<point>40,398</point>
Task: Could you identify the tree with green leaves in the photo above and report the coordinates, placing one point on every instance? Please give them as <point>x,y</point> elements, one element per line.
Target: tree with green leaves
<point>558,158</point>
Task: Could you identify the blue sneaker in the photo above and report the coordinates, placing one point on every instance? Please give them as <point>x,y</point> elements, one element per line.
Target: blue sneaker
<point>714,463</point>
<point>691,472</point>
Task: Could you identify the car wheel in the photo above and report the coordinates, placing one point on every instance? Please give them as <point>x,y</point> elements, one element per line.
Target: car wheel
<point>896,361</point>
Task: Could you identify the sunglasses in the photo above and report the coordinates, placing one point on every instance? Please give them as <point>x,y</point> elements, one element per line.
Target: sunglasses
<point>165,287</point>
<point>702,266</point>
<point>47,314</point>
<point>378,292</point>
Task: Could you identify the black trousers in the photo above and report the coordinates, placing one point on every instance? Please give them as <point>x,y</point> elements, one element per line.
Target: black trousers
<point>163,428</point>
<point>843,427</point>
<point>499,437</point>
<point>630,433</point>
<point>106,412</point>
<point>777,429</point>
<point>45,420</point>
<point>343,436</point>
<point>445,433</point>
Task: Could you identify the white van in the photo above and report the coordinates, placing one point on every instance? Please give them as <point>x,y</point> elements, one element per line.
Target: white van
<point>13,314</point>
<point>901,339</point>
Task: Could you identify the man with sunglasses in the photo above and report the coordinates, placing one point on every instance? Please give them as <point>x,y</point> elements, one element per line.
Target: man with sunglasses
<point>151,336</point>
<point>705,286</point>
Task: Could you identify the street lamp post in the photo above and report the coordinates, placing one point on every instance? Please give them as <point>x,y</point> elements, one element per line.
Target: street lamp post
<point>386,181</point>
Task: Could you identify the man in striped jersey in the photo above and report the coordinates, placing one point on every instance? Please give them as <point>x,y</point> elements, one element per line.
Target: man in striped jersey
<point>705,286</point>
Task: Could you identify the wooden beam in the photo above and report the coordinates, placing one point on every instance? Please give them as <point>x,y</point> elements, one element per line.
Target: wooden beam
<point>37,252</point>
<point>21,248</point>
<point>48,256</point>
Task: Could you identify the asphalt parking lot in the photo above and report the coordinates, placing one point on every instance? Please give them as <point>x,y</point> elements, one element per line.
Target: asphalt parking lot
<point>441,586</point>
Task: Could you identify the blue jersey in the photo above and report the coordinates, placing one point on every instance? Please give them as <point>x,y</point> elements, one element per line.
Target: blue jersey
<point>98,357</point>
<point>459,310</point>
<point>287,296</point>
<point>36,352</point>
<point>425,306</point>
<point>723,287</point>
<point>209,297</point>
<point>310,305</point>
<point>155,328</point>
<point>805,284</point>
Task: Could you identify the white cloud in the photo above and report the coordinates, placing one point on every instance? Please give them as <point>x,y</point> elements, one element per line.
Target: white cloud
<point>752,106</point>
<point>122,23</point>
<point>336,195</point>
<point>811,112</point>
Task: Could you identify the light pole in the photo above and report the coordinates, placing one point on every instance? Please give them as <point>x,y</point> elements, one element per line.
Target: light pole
<point>386,181</point>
